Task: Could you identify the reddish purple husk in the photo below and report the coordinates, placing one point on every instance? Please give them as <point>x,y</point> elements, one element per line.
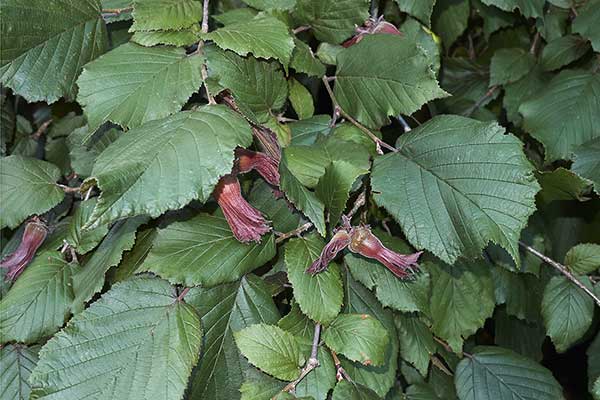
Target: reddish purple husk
<point>245,221</point>
<point>33,236</point>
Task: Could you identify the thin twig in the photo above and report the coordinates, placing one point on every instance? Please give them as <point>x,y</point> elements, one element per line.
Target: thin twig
<point>336,105</point>
<point>116,11</point>
<point>295,232</point>
<point>40,131</point>
<point>182,294</point>
<point>204,69</point>
<point>312,363</point>
<point>534,44</point>
<point>449,349</point>
<point>405,126</point>
<point>436,361</point>
<point>340,372</point>
<point>360,201</point>
<point>562,269</point>
<point>472,55</point>
<point>301,29</point>
<point>479,102</point>
<point>89,193</point>
<point>68,189</point>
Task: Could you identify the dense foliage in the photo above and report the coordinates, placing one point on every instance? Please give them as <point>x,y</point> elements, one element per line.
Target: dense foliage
<point>313,199</point>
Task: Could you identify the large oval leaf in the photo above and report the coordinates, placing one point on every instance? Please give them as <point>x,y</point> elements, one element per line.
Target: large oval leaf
<point>46,42</point>
<point>455,185</point>
<point>166,163</point>
<point>137,342</point>
<point>494,373</point>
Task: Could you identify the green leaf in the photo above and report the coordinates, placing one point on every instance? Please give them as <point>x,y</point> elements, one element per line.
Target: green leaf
<point>226,309</point>
<point>133,259</point>
<point>518,92</point>
<point>562,184</point>
<point>593,364</point>
<point>331,20</point>
<point>277,210</point>
<point>416,341</point>
<point>452,170</point>
<point>297,323</point>
<point>510,65</point>
<point>345,390</point>
<point>84,240</point>
<point>264,36</point>
<point>334,188</point>
<point>151,15</point>
<point>16,364</point>
<point>235,15</point>
<point>203,251</point>
<point>46,42</point>
<point>306,132</point>
<point>564,115</point>
<point>128,85</point>
<point>359,300</point>
<point>258,87</point>
<point>583,258</point>
<point>450,19</point>
<point>494,19</point>
<point>586,23</point>
<point>167,163</point>
<point>525,338</point>
<point>587,162</point>
<point>271,4</point>
<point>359,337</point>
<point>39,302</point>
<point>567,312</point>
<point>529,8</point>
<point>562,51</point>
<point>304,61</point>
<point>27,187</point>
<point>521,293</point>
<point>455,311</point>
<point>158,344</point>
<point>85,147</point>
<point>271,349</point>
<point>402,295</point>
<point>302,198</point>
<point>301,99</point>
<point>90,279</point>
<point>423,37</point>
<point>384,75</point>
<point>184,37</point>
<point>259,386</point>
<point>420,9</point>
<point>494,373</point>
<point>319,296</point>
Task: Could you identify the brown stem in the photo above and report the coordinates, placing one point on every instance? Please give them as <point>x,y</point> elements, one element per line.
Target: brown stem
<point>295,232</point>
<point>562,269</point>
<point>204,69</point>
<point>40,131</point>
<point>182,294</point>
<point>340,372</point>
<point>116,11</point>
<point>311,364</point>
<point>534,44</point>
<point>479,102</point>
<point>301,29</point>
<point>68,189</point>
<point>336,105</point>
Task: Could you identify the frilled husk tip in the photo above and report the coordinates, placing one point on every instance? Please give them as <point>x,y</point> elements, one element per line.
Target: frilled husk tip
<point>338,242</point>
<point>33,236</point>
<point>360,240</point>
<point>245,221</point>
<point>265,165</point>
